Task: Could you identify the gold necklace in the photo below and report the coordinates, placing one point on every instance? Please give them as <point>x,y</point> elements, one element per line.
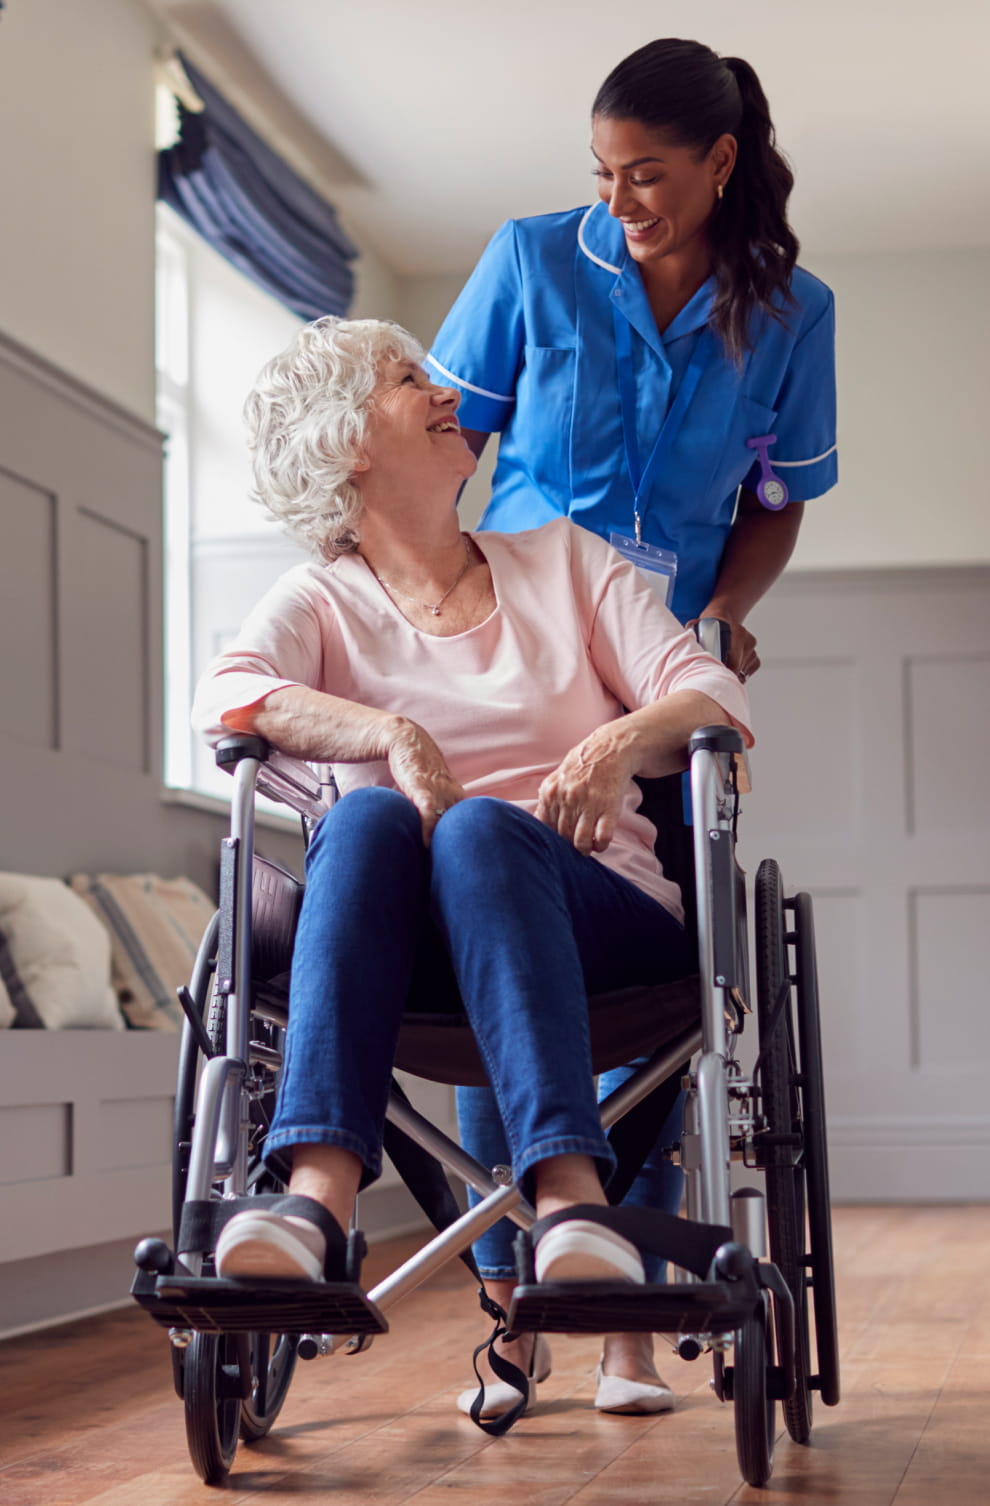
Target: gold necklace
<point>430,606</point>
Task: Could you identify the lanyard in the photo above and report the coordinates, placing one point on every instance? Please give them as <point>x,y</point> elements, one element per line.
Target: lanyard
<point>641,477</point>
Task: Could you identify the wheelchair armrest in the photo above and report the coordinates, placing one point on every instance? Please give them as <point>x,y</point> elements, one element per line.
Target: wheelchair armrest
<point>300,786</point>
<point>717,739</point>
<point>230,750</point>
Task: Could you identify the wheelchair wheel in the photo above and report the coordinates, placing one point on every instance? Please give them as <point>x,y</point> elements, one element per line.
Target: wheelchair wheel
<point>754,1411</point>
<point>211,1393</point>
<point>781,1143</point>
<point>821,1261</point>
<point>215,1418</point>
<point>272,1365</point>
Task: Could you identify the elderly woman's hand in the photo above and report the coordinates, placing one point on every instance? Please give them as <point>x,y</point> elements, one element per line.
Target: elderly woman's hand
<point>421,774</point>
<point>583,796</point>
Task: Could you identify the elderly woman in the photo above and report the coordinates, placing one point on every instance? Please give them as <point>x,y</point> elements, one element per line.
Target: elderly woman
<point>470,692</point>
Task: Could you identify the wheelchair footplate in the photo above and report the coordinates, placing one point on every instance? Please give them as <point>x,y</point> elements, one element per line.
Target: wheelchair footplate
<point>723,1296</point>
<point>177,1298</point>
<point>625,1307</point>
<point>209,1304</point>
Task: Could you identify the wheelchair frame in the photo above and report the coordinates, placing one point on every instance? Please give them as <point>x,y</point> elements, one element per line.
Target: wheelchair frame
<point>234,1380</point>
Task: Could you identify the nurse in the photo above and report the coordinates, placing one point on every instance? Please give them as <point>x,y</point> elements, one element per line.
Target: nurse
<point>660,370</point>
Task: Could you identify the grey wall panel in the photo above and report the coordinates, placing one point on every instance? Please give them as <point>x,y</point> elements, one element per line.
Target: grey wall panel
<point>108,680</point>
<point>130,1132</point>
<point>808,720</point>
<point>902,892</point>
<point>946,724</point>
<point>950,1028</point>
<point>80,592</point>
<point>42,1135</point>
<point>29,680</point>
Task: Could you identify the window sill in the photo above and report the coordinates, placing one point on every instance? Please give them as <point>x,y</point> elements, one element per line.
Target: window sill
<point>217,805</point>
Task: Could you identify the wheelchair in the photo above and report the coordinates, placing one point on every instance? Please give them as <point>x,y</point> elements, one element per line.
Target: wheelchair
<point>754,1279</point>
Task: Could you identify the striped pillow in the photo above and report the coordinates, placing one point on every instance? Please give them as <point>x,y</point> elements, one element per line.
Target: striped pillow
<point>54,959</point>
<point>155,927</point>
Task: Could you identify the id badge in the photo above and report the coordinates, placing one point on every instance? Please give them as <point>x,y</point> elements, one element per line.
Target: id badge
<point>659,565</point>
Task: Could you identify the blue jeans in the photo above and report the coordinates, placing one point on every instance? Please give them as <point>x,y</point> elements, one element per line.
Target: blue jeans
<point>501,912</point>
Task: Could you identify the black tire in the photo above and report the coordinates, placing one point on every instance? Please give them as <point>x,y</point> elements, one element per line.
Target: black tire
<point>781,1146</point>
<point>821,1262</point>
<point>272,1365</point>
<point>273,1356</point>
<point>754,1411</point>
<point>212,1404</point>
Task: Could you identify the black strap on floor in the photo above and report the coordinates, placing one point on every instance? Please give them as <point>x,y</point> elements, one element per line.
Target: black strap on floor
<point>427,1181</point>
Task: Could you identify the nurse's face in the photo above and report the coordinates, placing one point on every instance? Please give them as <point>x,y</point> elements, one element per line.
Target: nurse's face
<point>663,195</point>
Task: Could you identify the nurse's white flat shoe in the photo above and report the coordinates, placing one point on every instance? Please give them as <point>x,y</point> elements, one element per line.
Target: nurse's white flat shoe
<point>633,1398</point>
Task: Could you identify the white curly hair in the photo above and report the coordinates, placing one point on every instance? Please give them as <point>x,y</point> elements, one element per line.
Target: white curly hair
<point>306,417</point>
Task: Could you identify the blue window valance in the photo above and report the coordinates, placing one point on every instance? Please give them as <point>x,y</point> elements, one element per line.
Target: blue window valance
<point>230,186</point>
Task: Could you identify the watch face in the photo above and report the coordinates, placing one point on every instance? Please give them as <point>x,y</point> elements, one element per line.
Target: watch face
<point>773,493</point>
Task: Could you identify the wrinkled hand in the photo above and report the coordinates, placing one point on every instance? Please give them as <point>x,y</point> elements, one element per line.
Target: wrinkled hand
<point>743,657</point>
<point>583,796</point>
<point>421,774</point>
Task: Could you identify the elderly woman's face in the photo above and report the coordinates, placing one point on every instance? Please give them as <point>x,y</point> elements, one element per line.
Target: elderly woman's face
<point>413,425</point>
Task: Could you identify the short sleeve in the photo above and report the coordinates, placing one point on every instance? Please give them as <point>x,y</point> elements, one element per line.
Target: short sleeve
<point>804,455</point>
<point>280,644</point>
<point>480,345</point>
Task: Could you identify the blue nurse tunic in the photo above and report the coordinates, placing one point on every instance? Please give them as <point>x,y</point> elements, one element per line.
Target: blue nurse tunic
<point>550,331</point>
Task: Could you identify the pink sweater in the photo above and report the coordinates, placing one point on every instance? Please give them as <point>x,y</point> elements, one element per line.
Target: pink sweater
<point>576,636</point>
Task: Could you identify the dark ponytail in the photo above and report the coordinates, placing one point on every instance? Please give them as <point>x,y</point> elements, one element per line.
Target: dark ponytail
<point>693,96</point>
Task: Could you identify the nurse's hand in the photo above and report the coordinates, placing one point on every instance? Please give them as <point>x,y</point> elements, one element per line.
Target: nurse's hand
<point>583,796</point>
<point>421,774</point>
<point>743,657</point>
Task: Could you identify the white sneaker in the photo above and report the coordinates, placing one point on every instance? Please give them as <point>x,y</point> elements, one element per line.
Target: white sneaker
<point>579,1250</point>
<point>264,1244</point>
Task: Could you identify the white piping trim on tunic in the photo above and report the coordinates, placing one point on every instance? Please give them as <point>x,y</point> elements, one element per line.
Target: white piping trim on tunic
<point>499,397</point>
<point>786,465</point>
<point>590,254</point>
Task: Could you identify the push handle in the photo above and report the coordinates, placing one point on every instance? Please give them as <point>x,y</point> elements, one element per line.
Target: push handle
<point>715,636</point>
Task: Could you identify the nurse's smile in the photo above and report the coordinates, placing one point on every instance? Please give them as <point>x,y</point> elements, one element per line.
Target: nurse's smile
<point>636,230</point>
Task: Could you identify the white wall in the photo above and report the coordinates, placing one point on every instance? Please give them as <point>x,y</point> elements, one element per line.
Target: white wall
<point>914,372</point>
<point>77,185</point>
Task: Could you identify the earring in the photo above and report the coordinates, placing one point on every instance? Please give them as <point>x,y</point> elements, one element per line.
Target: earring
<point>720,189</point>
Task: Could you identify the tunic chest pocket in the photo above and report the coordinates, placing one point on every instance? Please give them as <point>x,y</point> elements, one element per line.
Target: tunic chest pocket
<point>545,393</point>
<point>732,459</point>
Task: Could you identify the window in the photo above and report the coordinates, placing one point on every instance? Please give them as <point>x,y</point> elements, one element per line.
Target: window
<point>215,330</point>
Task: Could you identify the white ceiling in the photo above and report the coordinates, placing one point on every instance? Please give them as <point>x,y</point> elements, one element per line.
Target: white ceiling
<point>439,121</point>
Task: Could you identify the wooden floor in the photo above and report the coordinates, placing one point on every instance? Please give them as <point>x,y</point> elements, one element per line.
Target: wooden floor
<point>90,1419</point>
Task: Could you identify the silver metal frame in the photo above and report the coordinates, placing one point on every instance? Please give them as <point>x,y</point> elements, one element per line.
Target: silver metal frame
<point>219,1141</point>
